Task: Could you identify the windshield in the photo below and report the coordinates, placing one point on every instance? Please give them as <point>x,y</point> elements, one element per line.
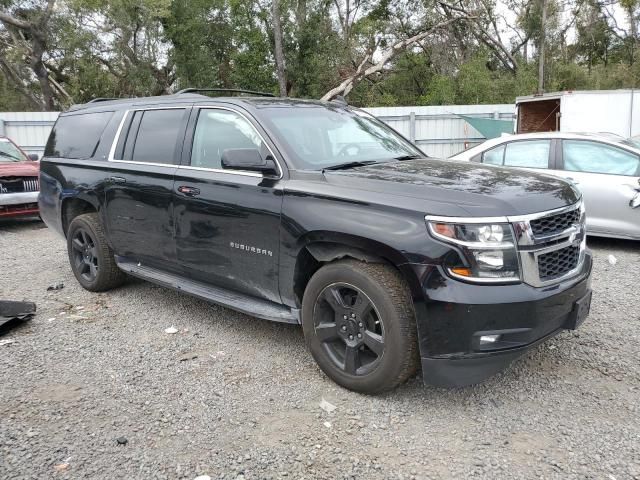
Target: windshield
<point>319,136</point>
<point>10,153</point>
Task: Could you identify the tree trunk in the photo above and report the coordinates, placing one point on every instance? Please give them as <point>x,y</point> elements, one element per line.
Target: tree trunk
<point>41,72</point>
<point>279,53</point>
<point>634,34</point>
<point>543,34</point>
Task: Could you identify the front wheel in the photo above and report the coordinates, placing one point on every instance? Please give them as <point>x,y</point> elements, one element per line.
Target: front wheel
<point>359,325</point>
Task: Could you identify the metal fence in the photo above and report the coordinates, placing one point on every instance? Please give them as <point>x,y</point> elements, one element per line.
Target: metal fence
<point>30,130</point>
<point>436,129</point>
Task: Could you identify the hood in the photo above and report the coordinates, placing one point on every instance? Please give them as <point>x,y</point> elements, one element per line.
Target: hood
<point>19,169</point>
<point>480,190</point>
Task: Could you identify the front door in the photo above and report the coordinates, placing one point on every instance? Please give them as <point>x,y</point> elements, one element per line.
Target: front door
<point>608,178</point>
<point>139,186</point>
<point>227,222</point>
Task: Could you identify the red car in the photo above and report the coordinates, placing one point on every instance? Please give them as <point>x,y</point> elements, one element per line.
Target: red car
<point>19,183</point>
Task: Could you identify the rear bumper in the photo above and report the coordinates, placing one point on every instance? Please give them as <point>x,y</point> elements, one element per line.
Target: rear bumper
<point>18,204</point>
<point>452,319</point>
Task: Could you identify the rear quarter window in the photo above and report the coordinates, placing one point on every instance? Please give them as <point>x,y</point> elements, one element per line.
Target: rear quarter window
<point>77,136</point>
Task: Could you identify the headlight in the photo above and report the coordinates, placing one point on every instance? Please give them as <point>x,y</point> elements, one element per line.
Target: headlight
<point>486,251</point>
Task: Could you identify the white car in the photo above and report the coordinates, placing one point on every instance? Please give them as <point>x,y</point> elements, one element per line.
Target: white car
<point>604,167</point>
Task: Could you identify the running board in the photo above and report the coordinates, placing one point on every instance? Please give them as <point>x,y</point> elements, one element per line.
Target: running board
<point>227,298</point>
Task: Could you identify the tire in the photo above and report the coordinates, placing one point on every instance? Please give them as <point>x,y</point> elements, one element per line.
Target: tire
<point>334,314</point>
<point>90,256</point>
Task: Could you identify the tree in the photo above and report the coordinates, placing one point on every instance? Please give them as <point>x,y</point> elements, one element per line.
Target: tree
<point>27,31</point>
<point>278,48</point>
<point>368,66</point>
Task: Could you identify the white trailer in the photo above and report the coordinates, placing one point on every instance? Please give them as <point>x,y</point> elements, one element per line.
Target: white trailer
<point>593,111</point>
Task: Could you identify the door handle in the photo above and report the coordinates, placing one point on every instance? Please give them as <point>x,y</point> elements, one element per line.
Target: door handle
<point>117,180</point>
<point>189,191</point>
<point>635,201</point>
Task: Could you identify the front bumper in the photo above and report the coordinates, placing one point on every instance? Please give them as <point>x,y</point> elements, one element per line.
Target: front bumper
<point>18,204</point>
<point>454,315</point>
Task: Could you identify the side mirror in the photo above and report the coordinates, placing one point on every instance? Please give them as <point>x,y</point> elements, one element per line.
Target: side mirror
<point>248,159</point>
<point>33,157</point>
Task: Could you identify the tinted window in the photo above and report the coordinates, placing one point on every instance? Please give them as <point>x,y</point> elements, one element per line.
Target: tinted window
<point>593,157</point>
<point>77,136</point>
<point>494,156</point>
<point>220,130</point>
<point>152,136</point>
<point>532,154</point>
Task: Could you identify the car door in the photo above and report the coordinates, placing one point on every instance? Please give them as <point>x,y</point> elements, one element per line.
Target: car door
<point>138,191</point>
<point>608,177</point>
<point>227,221</point>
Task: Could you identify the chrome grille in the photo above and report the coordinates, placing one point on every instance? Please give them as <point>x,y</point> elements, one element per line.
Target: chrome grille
<point>551,244</point>
<point>559,262</point>
<point>19,184</point>
<point>542,227</point>
<point>31,184</point>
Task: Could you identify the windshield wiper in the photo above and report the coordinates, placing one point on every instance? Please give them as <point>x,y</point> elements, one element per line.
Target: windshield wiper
<point>347,165</point>
<point>407,157</point>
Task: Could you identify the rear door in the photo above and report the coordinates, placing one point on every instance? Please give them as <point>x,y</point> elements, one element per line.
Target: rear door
<point>608,178</point>
<point>138,191</point>
<point>227,221</point>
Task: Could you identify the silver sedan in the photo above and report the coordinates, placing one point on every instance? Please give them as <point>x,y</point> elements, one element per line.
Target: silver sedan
<point>604,167</point>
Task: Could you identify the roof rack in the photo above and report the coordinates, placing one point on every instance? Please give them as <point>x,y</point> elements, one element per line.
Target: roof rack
<point>101,99</point>
<point>224,90</point>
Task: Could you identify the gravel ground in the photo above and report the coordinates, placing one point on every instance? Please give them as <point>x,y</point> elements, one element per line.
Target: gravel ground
<point>234,397</point>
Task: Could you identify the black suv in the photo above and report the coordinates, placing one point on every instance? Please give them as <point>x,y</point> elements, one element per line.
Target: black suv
<point>317,214</point>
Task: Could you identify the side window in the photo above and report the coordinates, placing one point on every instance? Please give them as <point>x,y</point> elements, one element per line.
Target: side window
<point>218,130</point>
<point>529,153</point>
<point>494,156</point>
<point>594,157</point>
<point>77,136</point>
<point>152,136</point>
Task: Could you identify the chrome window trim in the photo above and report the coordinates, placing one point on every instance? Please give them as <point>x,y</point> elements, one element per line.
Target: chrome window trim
<point>131,162</point>
<point>245,173</point>
<point>114,143</point>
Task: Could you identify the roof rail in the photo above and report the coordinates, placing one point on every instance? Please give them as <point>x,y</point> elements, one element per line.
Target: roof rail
<point>224,90</point>
<point>101,99</point>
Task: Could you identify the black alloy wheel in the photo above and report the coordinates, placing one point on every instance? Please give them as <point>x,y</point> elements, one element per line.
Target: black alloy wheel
<point>349,326</point>
<point>359,324</point>
<point>85,254</point>
<point>92,260</point>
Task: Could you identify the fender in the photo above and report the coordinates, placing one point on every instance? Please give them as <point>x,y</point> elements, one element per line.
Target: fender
<point>326,246</point>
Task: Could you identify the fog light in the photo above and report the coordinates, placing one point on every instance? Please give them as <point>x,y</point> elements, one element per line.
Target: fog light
<point>486,339</point>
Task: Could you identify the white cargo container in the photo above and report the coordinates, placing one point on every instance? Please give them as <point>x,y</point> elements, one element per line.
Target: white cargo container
<point>594,111</point>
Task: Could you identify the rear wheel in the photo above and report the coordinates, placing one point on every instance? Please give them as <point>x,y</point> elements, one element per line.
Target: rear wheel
<point>359,324</point>
<point>91,258</point>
